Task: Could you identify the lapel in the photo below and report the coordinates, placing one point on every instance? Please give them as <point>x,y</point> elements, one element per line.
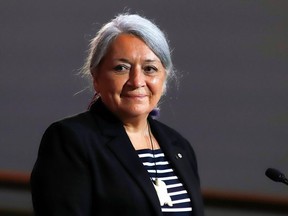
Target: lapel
<point>179,159</point>
<point>119,143</point>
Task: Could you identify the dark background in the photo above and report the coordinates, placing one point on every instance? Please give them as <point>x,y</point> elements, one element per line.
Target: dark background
<point>231,102</point>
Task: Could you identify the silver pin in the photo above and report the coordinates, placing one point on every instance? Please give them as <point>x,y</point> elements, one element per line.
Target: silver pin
<point>179,156</point>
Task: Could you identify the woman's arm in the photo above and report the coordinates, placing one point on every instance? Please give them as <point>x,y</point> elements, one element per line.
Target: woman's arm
<point>60,180</point>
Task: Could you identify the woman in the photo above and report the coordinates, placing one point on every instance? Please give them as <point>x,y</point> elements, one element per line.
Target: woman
<point>115,159</point>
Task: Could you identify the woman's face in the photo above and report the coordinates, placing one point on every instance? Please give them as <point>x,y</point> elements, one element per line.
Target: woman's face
<point>130,78</point>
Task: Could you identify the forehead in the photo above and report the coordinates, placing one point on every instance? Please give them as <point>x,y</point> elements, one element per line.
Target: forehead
<point>131,46</point>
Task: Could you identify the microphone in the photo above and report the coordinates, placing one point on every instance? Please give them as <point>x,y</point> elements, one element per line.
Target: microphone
<point>276,175</point>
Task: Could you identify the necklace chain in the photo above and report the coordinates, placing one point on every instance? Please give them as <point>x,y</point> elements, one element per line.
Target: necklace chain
<point>159,185</point>
<point>152,146</point>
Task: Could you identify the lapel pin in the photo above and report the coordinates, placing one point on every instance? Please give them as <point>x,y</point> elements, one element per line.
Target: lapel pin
<point>179,156</point>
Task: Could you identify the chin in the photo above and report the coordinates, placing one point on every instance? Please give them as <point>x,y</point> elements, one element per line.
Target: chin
<point>134,112</point>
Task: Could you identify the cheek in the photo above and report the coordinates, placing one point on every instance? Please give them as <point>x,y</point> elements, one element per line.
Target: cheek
<point>158,85</point>
<point>115,85</point>
<point>109,84</point>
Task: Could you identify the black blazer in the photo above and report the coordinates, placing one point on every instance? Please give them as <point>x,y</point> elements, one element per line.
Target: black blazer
<point>87,166</point>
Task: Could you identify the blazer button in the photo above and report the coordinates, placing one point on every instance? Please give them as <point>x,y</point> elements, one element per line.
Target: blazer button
<point>179,156</point>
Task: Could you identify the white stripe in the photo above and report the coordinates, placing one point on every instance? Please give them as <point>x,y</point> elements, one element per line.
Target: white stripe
<point>175,185</point>
<point>162,163</point>
<point>176,209</point>
<point>160,171</point>
<point>148,164</point>
<point>145,155</point>
<point>181,201</point>
<point>177,193</point>
<point>159,155</point>
<point>167,178</point>
<point>157,163</point>
<point>149,155</point>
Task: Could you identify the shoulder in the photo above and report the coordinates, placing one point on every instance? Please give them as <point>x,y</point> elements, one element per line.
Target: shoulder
<point>79,122</point>
<point>69,132</point>
<point>84,118</point>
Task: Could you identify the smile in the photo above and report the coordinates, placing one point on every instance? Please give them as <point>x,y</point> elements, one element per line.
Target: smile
<point>134,96</point>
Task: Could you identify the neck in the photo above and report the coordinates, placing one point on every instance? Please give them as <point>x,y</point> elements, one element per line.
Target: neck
<point>136,127</point>
<point>136,124</point>
<point>140,135</point>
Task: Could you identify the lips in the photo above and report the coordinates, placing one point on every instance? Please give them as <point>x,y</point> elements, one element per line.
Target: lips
<point>134,95</point>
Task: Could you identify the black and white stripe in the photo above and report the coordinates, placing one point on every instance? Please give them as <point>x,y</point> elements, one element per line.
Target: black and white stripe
<point>157,166</point>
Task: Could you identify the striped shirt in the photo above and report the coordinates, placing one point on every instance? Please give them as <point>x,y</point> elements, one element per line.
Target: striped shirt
<point>157,166</point>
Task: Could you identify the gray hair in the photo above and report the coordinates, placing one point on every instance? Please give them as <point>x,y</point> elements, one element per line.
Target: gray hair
<point>129,24</point>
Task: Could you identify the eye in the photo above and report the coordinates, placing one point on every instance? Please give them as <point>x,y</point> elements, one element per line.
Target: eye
<point>121,68</point>
<point>150,69</point>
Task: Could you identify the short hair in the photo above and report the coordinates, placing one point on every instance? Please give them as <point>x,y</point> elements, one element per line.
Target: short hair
<point>133,24</point>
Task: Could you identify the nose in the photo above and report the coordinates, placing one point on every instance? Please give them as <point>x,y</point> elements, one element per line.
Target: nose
<point>136,78</point>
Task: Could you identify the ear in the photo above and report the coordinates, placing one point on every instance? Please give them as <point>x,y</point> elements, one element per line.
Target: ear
<point>164,88</point>
<point>95,80</point>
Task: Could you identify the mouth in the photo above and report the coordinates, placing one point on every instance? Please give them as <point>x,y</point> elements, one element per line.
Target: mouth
<point>134,95</point>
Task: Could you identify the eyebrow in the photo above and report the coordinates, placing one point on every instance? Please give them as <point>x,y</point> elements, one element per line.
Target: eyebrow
<point>147,60</point>
<point>152,60</point>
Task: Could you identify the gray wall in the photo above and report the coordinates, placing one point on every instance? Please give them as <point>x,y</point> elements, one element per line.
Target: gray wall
<point>232,60</point>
